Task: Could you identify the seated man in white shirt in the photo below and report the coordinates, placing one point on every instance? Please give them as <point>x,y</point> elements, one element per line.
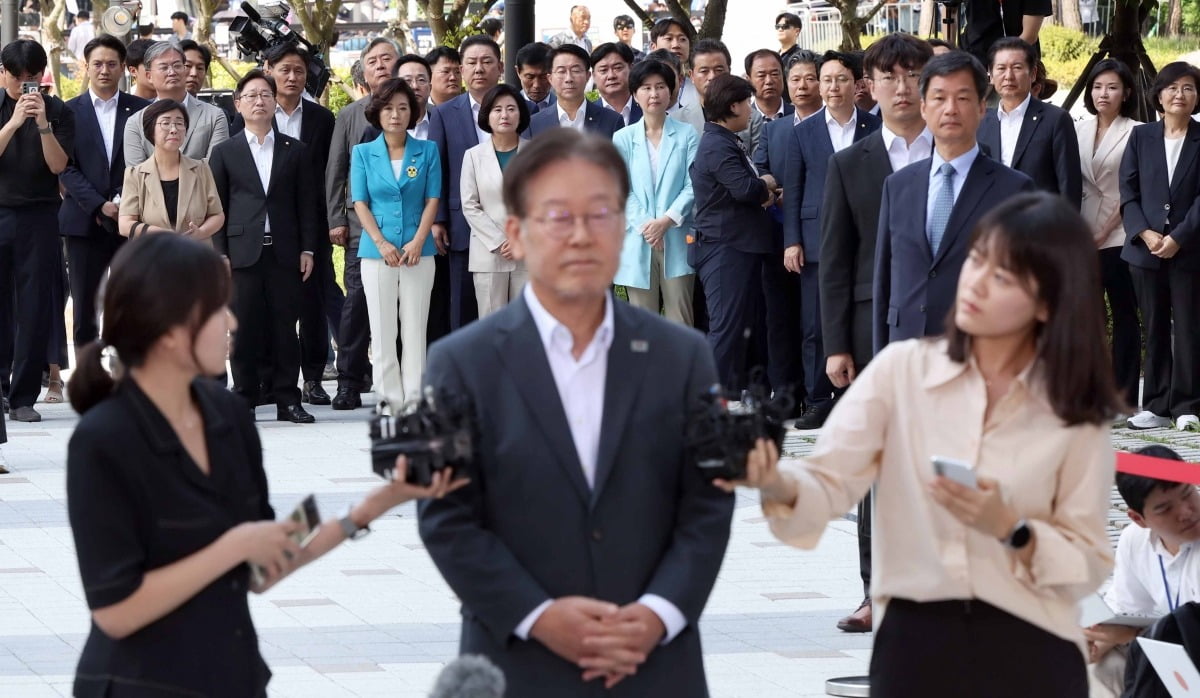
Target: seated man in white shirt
<point>1155,569</point>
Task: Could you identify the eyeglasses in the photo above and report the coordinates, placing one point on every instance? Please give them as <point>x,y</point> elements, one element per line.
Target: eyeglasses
<point>417,80</point>
<point>170,125</point>
<point>839,80</point>
<point>167,68</point>
<point>912,77</point>
<point>1186,90</point>
<point>560,224</point>
<point>574,71</point>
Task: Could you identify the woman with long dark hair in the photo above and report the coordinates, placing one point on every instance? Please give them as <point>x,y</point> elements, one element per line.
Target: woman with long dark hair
<point>166,491</point>
<point>987,577</point>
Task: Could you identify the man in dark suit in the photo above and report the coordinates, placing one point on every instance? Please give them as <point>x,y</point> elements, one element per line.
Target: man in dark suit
<point>813,141</point>
<point>93,179</point>
<point>569,73</point>
<point>764,70</point>
<point>582,552</point>
<point>610,65</point>
<point>849,223</point>
<point>271,228</point>
<point>1026,133</point>
<point>534,73</point>
<point>929,208</point>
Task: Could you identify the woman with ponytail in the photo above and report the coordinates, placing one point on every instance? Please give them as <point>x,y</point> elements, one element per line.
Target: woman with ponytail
<point>166,491</point>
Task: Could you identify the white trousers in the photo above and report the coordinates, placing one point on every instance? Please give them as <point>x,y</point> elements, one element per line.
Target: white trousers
<point>676,298</point>
<point>398,302</point>
<point>495,289</point>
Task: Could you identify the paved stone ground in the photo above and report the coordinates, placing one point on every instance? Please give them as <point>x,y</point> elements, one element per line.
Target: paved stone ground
<point>374,618</point>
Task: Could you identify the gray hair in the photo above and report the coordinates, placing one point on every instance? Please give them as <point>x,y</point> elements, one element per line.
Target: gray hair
<point>158,48</point>
<point>362,56</point>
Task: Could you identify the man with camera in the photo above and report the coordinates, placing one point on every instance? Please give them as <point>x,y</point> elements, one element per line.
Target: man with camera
<point>36,133</point>
<point>582,550</point>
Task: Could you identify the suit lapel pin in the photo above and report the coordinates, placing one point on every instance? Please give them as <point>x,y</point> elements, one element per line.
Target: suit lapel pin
<point>411,172</point>
<point>1035,118</point>
<point>639,346</point>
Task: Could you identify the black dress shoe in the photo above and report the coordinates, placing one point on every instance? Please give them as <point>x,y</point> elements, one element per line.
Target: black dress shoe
<point>814,417</point>
<point>294,414</point>
<point>266,397</point>
<point>314,394</point>
<point>347,399</point>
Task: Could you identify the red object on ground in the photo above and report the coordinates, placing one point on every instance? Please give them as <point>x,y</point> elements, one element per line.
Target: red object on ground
<point>1160,468</point>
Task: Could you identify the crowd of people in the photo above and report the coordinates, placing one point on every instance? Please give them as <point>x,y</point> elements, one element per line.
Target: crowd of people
<point>915,272</point>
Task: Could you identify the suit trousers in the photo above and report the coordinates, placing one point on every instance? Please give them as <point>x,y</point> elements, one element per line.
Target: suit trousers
<point>672,296</point>
<point>495,289</point>
<point>462,291</point>
<point>439,301</point>
<point>29,250</point>
<point>267,298</point>
<point>87,261</point>
<point>732,281</point>
<point>318,319</point>
<point>958,648</point>
<point>354,331</point>
<point>865,511</point>
<point>1126,335</point>
<point>820,388</point>
<point>1169,300</point>
<point>398,303</point>
<point>781,293</point>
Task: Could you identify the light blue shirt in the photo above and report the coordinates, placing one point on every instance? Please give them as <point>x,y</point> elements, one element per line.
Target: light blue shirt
<point>961,164</point>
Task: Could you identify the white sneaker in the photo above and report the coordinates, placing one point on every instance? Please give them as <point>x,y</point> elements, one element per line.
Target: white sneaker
<point>1148,420</point>
<point>1188,422</point>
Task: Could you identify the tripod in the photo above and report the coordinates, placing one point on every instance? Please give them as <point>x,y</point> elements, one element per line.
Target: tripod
<point>1123,42</point>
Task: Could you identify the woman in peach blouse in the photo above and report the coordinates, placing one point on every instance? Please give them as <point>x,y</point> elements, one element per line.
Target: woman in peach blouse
<point>976,589</point>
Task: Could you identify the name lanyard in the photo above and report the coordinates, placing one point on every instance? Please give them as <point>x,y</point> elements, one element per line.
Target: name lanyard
<point>1172,604</point>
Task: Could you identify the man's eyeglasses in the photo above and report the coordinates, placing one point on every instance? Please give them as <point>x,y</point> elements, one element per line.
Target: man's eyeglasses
<point>560,224</point>
<point>167,68</point>
<point>253,97</point>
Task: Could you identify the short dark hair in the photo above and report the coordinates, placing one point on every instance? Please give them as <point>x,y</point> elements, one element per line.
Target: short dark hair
<point>145,30</point>
<point>792,19</point>
<point>849,60</point>
<point>955,62</point>
<point>607,49</point>
<point>156,109</point>
<point>1136,489</point>
<point>569,50</point>
<point>180,15</point>
<point>1109,65</point>
<point>662,55</point>
<point>1048,246</point>
<point>898,49</point>
<point>489,101</point>
<point>554,146</point>
<point>105,41</point>
<point>1013,43</point>
<point>277,53</point>
<point>661,26</point>
<point>939,43</point>
<point>723,92</point>
<point>439,52</point>
<point>704,46</point>
<point>136,52</point>
<point>256,74</point>
<point>643,70</point>
<point>23,56</point>
<point>536,53</point>
<point>205,54</point>
<point>623,22</point>
<point>802,57</point>
<point>480,40</point>
<point>762,53</point>
<point>83,14</point>
<point>491,26</point>
<point>384,94</point>
<point>414,58</point>
<point>1167,75</point>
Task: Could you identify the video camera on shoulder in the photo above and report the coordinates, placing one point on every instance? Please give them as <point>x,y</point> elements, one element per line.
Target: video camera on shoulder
<point>433,434</point>
<point>724,426</point>
<point>256,33</point>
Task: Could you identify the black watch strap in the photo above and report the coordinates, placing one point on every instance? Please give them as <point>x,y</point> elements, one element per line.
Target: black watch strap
<point>1020,535</point>
<point>350,529</point>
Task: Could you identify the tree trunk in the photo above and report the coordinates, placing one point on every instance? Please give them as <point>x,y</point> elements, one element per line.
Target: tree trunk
<point>1070,15</point>
<point>1175,23</point>
<point>319,23</point>
<point>398,28</point>
<point>928,10</point>
<point>714,19</point>
<point>53,37</point>
<point>207,9</point>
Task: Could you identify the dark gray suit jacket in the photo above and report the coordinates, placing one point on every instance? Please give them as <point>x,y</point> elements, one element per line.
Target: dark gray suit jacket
<point>528,528</point>
<point>914,288</point>
<point>597,120</point>
<point>1150,202</point>
<point>1047,149</point>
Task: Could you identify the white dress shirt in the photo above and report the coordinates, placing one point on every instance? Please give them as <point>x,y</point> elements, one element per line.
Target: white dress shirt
<point>421,130</point>
<point>479,133</point>
<point>264,156</point>
<point>902,154</point>
<point>290,124</point>
<point>842,135</point>
<point>1173,148</point>
<point>1138,586</point>
<point>567,122</point>
<point>624,112</point>
<point>961,164</point>
<point>1010,129</point>
<point>768,117</point>
<point>106,116</point>
<point>580,384</point>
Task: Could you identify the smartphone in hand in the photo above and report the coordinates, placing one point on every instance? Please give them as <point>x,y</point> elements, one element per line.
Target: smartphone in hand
<point>309,518</point>
<point>956,470</point>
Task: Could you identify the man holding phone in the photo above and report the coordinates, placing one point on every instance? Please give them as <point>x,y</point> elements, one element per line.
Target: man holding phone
<point>36,133</point>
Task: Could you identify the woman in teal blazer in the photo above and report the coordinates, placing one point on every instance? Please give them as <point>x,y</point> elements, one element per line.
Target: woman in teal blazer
<point>658,151</point>
<point>395,182</point>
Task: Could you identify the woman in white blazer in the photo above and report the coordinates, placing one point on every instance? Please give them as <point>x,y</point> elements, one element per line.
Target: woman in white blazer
<point>658,214</point>
<point>1102,141</point>
<point>497,275</point>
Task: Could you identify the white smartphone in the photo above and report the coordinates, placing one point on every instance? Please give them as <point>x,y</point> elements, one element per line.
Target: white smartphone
<point>956,470</point>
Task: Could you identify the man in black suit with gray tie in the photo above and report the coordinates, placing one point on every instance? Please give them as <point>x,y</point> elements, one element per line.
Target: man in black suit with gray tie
<point>582,551</point>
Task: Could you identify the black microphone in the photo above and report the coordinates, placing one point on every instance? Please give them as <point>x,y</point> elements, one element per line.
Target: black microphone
<point>251,13</point>
<point>470,676</point>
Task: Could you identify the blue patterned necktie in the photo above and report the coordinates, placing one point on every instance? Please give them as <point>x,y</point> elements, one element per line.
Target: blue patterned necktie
<point>942,206</point>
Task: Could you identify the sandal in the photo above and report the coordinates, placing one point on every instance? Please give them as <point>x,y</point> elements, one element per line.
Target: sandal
<point>54,393</point>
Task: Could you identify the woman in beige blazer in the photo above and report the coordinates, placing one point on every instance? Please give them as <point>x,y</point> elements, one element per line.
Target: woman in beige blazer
<point>169,192</point>
<point>497,275</point>
<point>1101,146</point>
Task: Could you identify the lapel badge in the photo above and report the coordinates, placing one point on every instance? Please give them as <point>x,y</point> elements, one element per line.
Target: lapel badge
<point>639,346</point>
<point>411,172</point>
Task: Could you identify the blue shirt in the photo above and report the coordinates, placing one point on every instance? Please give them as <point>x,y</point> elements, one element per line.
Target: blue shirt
<point>396,202</point>
<point>961,164</point>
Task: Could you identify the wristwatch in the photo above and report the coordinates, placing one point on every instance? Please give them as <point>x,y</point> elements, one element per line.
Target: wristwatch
<point>48,129</point>
<point>1019,537</point>
<point>351,530</point>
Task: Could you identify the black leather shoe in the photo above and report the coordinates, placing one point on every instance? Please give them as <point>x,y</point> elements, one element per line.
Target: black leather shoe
<point>814,417</point>
<point>265,397</point>
<point>294,414</point>
<point>347,399</point>
<point>314,394</point>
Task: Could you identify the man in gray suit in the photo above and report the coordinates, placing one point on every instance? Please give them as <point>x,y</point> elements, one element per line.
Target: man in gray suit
<point>207,124</point>
<point>583,551</point>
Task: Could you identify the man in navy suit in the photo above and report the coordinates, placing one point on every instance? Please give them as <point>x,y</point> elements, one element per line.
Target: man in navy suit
<point>930,207</point>
<point>455,128</point>
<point>93,179</point>
<point>813,141</point>
<point>610,66</point>
<point>764,69</point>
<point>534,73</point>
<point>1024,132</point>
<point>569,77</point>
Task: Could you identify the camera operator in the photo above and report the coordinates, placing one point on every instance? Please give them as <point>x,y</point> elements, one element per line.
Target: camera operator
<point>984,22</point>
<point>581,550</point>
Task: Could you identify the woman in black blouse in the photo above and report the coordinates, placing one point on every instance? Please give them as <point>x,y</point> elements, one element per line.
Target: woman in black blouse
<point>166,491</point>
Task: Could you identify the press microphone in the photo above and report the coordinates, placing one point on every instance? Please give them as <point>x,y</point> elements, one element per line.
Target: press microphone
<point>469,676</point>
